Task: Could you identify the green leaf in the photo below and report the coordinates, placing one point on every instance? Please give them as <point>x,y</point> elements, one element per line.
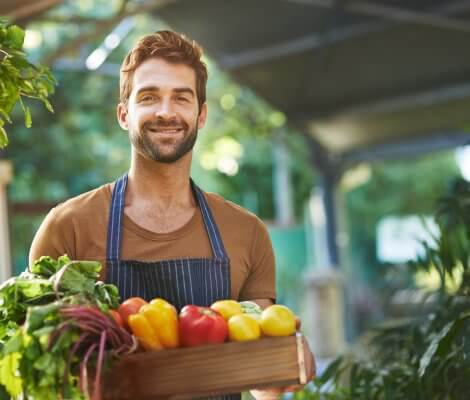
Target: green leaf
<point>18,77</point>
<point>8,374</point>
<point>433,347</point>
<point>27,117</point>
<point>331,371</point>
<point>47,266</point>
<point>76,277</point>
<point>14,344</point>
<point>3,136</point>
<point>44,361</point>
<point>48,105</point>
<point>15,37</point>
<point>37,315</point>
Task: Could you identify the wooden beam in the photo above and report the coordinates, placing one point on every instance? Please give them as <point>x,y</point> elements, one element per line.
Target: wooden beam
<point>33,7</point>
<point>316,41</point>
<point>392,13</point>
<point>32,207</point>
<point>405,148</point>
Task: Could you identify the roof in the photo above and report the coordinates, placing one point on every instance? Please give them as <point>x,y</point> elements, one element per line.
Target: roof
<point>362,79</point>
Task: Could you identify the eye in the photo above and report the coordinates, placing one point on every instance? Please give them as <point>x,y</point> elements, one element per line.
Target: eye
<point>182,99</point>
<point>148,97</point>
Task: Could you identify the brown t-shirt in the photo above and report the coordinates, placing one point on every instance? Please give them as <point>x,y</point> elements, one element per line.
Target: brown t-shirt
<point>78,228</point>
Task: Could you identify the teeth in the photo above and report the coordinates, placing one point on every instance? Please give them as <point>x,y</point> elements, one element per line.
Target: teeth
<point>165,130</point>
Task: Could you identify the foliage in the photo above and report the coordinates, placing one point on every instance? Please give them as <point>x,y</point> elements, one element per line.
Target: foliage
<point>394,188</point>
<point>399,188</point>
<point>53,318</point>
<point>19,78</point>
<point>428,356</point>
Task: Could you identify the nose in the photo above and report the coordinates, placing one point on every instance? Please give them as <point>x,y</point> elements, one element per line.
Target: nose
<point>165,110</point>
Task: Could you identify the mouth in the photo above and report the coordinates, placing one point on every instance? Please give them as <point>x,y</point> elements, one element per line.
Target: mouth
<point>165,131</point>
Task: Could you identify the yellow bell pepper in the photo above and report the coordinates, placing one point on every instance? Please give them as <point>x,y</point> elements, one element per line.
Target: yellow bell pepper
<point>142,329</point>
<point>163,318</point>
<point>156,325</point>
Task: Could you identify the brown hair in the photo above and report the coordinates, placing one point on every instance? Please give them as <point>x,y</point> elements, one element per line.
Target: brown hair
<point>170,46</point>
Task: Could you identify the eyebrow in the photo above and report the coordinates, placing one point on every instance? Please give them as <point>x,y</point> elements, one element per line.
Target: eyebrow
<point>187,90</point>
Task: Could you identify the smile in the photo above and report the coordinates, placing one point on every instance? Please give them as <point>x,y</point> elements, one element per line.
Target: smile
<point>171,131</point>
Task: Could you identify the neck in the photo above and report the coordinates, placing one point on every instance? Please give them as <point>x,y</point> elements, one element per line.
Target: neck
<point>164,186</point>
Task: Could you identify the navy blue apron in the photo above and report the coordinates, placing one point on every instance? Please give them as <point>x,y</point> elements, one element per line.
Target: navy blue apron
<point>199,281</point>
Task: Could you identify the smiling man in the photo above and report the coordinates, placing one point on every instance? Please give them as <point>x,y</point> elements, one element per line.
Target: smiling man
<point>155,231</point>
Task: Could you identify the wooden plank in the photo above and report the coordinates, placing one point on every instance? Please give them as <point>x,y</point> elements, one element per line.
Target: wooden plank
<point>206,370</point>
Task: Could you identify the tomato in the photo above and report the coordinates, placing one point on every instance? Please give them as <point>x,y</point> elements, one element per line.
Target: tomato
<point>243,327</point>
<point>278,320</point>
<point>130,306</point>
<point>201,325</point>
<point>227,308</point>
<point>117,317</point>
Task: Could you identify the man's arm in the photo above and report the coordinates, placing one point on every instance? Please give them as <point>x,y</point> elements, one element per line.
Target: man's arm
<point>310,367</point>
<point>50,239</point>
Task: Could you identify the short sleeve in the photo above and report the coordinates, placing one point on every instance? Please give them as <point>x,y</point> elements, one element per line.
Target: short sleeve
<point>261,281</point>
<point>53,238</point>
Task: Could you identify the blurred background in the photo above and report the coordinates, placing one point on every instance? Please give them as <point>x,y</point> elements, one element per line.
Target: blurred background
<point>339,123</point>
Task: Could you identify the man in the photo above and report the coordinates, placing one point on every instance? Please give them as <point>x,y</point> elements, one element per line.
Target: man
<point>155,232</point>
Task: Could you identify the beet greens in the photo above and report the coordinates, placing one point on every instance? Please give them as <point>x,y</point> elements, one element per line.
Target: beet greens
<point>55,328</point>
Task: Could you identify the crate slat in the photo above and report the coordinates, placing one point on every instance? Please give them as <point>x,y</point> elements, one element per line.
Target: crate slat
<point>205,370</point>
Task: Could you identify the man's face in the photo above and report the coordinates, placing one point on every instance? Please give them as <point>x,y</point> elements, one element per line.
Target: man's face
<point>162,115</point>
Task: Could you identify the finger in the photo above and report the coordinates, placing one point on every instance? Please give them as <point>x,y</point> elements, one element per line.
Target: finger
<point>298,323</point>
<point>267,394</point>
<point>293,388</point>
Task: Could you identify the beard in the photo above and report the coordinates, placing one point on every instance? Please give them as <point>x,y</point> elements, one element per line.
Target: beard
<point>143,143</point>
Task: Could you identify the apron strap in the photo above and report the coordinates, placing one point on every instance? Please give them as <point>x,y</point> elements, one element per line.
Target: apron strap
<point>116,213</point>
<point>215,238</point>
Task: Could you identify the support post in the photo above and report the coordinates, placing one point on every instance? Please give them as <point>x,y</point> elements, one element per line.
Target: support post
<point>6,174</point>
<point>282,183</point>
<point>324,304</point>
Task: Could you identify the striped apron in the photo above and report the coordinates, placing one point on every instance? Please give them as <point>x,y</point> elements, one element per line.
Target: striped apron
<point>199,281</point>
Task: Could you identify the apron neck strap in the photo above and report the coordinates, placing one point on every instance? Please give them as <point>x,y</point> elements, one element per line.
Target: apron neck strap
<point>116,217</point>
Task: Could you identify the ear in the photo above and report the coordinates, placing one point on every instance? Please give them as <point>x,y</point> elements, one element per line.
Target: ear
<point>121,113</point>
<point>201,119</point>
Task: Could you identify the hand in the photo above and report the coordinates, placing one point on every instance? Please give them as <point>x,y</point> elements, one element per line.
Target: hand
<point>275,393</point>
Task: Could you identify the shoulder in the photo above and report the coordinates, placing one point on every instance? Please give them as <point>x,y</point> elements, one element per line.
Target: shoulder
<point>85,205</point>
<point>69,227</point>
<point>229,215</point>
<point>229,210</point>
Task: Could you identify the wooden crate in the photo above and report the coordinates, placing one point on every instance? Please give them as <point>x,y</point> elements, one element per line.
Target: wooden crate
<point>207,370</point>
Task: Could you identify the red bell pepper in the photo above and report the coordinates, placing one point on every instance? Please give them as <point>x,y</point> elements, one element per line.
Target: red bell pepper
<point>201,325</point>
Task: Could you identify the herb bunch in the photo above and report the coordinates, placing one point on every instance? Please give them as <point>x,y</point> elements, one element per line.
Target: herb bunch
<point>54,325</point>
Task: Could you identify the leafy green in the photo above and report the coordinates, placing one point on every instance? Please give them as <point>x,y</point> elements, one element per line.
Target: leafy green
<point>19,78</point>
<point>8,373</point>
<point>40,352</point>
